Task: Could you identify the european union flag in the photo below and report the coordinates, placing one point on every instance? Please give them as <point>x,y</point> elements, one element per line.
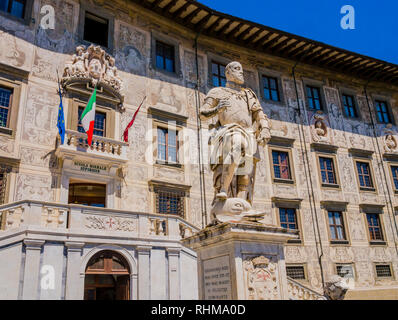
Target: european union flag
<point>61,119</point>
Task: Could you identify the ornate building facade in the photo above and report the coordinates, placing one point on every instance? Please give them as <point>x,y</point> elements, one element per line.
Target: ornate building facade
<point>106,220</point>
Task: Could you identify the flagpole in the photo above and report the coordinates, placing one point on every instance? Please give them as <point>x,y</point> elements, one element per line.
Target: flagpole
<point>135,114</point>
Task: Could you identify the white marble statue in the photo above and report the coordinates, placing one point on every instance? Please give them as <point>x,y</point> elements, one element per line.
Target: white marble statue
<point>241,126</point>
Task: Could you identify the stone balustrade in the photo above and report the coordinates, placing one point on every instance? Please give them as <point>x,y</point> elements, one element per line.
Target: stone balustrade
<point>298,291</point>
<point>77,217</point>
<point>101,146</point>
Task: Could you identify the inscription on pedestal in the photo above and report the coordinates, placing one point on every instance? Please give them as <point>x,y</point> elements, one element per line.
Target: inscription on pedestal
<point>217,278</point>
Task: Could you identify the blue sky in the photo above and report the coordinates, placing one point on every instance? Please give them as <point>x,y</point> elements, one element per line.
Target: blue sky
<point>376,22</point>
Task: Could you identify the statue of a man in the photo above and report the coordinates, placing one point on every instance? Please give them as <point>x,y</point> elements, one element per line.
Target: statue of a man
<point>240,128</point>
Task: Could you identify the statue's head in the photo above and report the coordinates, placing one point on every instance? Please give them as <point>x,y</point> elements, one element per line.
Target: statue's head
<point>234,72</point>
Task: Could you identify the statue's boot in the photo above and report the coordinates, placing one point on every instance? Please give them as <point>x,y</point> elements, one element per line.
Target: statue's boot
<point>227,175</point>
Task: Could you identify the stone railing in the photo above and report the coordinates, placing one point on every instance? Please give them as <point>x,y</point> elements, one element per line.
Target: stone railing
<point>101,146</point>
<point>298,291</point>
<point>77,217</point>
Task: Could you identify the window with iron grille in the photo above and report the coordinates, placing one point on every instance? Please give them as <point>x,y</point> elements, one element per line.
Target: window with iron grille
<point>345,270</point>
<point>394,171</point>
<point>295,272</point>
<point>288,218</point>
<point>383,271</point>
<point>5,106</point>
<point>13,7</point>
<point>314,98</point>
<point>383,114</point>
<point>4,170</point>
<point>327,170</point>
<point>374,226</point>
<point>364,175</point>
<point>218,74</point>
<point>167,145</point>
<point>270,88</point>
<point>165,58</point>
<point>99,123</point>
<point>349,106</point>
<point>2,186</point>
<point>336,225</point>
<point>280,160</point>
<point>170,201</point>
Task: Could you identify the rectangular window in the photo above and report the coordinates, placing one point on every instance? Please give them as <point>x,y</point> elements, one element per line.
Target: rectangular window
<point>13,7</point>
<point>295,272</point>
<point>394,172</point>
<point>99,123</point>
<point>345,270</point>
<point>167,145</point>
<point>383,115</point>
<point>280,160</point>
<point>170,202</point>
<point>383,271</point>
<point>218,74</point>
<point>349,106</point>
<point>5,106</point>
<point>96,29</point>
<point>375,232</point>
<point>270,88</point>
<point>165,56</point>
<point>314,98</point>
<point>364,175</point>
<point>288,218</point>
<point>336,225</point>
<point>327,170</point>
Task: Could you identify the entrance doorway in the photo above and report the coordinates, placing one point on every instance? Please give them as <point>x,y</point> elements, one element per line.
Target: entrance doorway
<point>107,277</point>
<point>88,194</point>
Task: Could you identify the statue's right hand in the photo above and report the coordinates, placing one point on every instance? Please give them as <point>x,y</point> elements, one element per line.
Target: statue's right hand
<point>223,105</point>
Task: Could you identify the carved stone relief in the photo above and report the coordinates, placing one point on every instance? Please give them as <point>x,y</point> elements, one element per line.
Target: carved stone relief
<point>390,139</point>
<point>261,278</point>
<point>131,54</point>
<point>40,122</point>
<point>61,38</point>
<point>98,222</point>
<point>33,187</point>
<point>320,128</point>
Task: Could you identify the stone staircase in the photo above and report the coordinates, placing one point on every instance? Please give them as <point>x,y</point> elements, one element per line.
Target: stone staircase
<point>298,291</point>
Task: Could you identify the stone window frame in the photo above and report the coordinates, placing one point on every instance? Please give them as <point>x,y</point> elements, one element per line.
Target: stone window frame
<point>387,100</point>
<point>392,277</point>
<point>286,203</point>
<point>6,168</point>
<point>28,15</point>
<point>323,154</point>
<point>374,209</point>
<point>9,81</point>
<point>156,36</point>
<point>273,74</point>
<point>102,13</point>
<point>212,57</point>
<point>337,206</point>
<point>319,84</point>
<point>353,93</point>
<point>390,165</point>
<point>291,181</point>
<point>162,119</point>
<point>351,264</point>
<point>72,116</point>
<point>305,268</point>
<point>155,185</point>
<point>367,160</point>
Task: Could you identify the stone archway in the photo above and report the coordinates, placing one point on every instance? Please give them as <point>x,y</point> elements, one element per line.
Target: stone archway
<point>107,277</point>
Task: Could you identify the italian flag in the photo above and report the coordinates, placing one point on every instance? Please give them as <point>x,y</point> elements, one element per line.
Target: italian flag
<point>88,117</point>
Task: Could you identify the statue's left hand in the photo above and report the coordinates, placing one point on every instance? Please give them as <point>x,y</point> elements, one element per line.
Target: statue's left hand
<point>263,137</point>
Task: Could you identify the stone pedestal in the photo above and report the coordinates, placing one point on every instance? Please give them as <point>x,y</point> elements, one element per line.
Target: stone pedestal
<point>241,261</point>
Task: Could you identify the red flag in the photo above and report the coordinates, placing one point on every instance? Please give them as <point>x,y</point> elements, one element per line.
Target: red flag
<point>126,131</point>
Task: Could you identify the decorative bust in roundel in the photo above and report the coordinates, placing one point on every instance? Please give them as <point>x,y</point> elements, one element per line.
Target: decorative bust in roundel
<point>241,126</point>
